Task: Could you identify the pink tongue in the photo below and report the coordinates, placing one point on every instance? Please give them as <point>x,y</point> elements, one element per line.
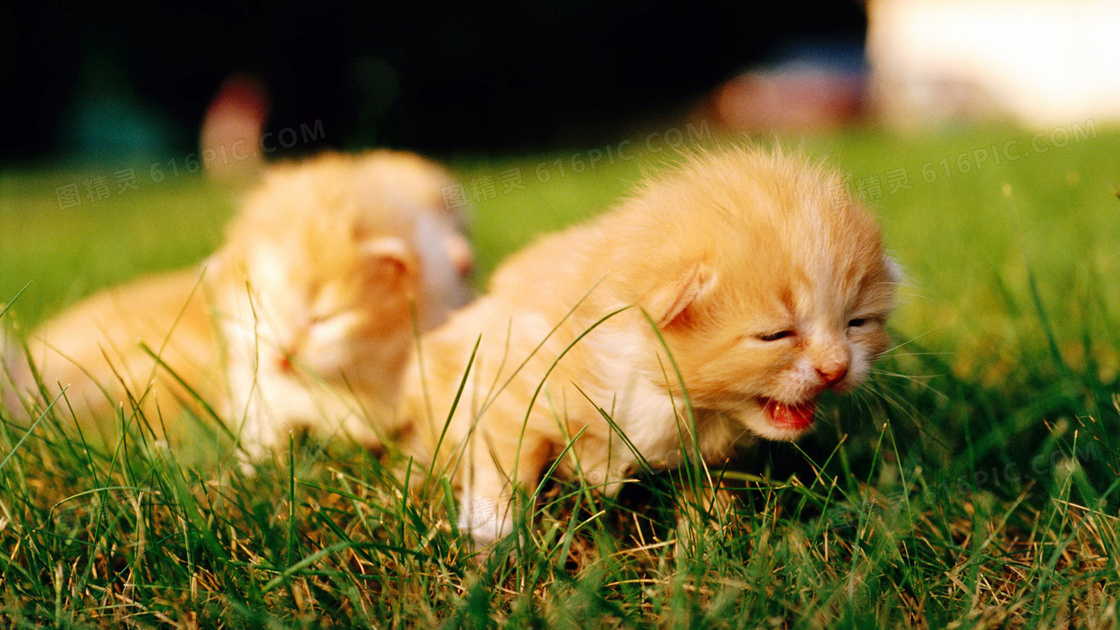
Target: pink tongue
<point>799,417</point>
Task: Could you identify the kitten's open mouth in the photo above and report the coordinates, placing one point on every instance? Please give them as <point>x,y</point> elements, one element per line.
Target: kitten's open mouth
<point>797,417</point>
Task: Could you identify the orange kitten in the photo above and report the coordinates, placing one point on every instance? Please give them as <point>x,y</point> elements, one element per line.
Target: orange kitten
<point>93,350</point>
<point>316,286</point>
<point>331,251</point>
<point>767,282</point>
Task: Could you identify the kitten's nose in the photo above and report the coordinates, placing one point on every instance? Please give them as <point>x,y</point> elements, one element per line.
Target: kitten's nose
<point>833,372</point>
<point>459,251</point>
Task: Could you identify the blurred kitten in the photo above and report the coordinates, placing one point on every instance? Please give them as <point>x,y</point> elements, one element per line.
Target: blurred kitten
<point>93,350</point>
<point>316,286</point>
<point>301,318</point>
<point>768,284</point>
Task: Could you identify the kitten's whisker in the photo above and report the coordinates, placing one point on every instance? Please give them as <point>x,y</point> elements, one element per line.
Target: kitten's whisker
<point>917,378</point>
<point>923,354</point>
<point>908,341</point>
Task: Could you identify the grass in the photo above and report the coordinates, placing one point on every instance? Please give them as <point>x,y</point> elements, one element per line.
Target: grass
<point>972,484</point>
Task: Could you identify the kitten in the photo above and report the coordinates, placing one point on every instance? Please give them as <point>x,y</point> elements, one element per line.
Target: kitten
<point>301,318</point>
<point>93,351</point>
<point>766,281</point>
<point>316,289</point>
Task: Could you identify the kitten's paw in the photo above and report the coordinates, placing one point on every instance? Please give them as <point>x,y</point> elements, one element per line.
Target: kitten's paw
<point>250,453</point>
<point>486,520</point>
<point>247,463</point>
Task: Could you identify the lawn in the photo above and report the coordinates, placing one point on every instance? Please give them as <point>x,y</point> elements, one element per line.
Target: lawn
<point>973,483</point>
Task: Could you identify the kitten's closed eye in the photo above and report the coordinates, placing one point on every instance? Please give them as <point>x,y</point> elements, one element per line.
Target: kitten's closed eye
<point>324,316</point>
<point>860,322</point>
<point>781,334</point>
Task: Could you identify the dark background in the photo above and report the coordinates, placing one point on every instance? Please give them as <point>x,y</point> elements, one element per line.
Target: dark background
<point>115,79</point>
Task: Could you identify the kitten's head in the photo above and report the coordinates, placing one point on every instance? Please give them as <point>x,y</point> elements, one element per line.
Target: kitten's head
<point>335,253</point>
<point>771,287</point>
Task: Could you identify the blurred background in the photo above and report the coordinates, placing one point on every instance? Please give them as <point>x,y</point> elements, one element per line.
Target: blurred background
<point>117,79</point>
<point>120,78</point>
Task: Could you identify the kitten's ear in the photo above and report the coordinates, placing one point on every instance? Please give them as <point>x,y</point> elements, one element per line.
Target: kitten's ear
<point>391,256</point>
<point>215,265</point>
<point>671,299</point>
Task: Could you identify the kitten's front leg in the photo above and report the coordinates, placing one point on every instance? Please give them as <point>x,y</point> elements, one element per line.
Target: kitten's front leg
<point>257,435</point>
<point>484,508</point>
<point>256,439</point>
<point>490,480</point>
<point>362,429</point>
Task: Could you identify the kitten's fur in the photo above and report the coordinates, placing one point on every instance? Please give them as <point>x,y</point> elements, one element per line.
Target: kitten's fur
<point>307,305</point>
<point>93,351</point>
<point>768,283</point>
